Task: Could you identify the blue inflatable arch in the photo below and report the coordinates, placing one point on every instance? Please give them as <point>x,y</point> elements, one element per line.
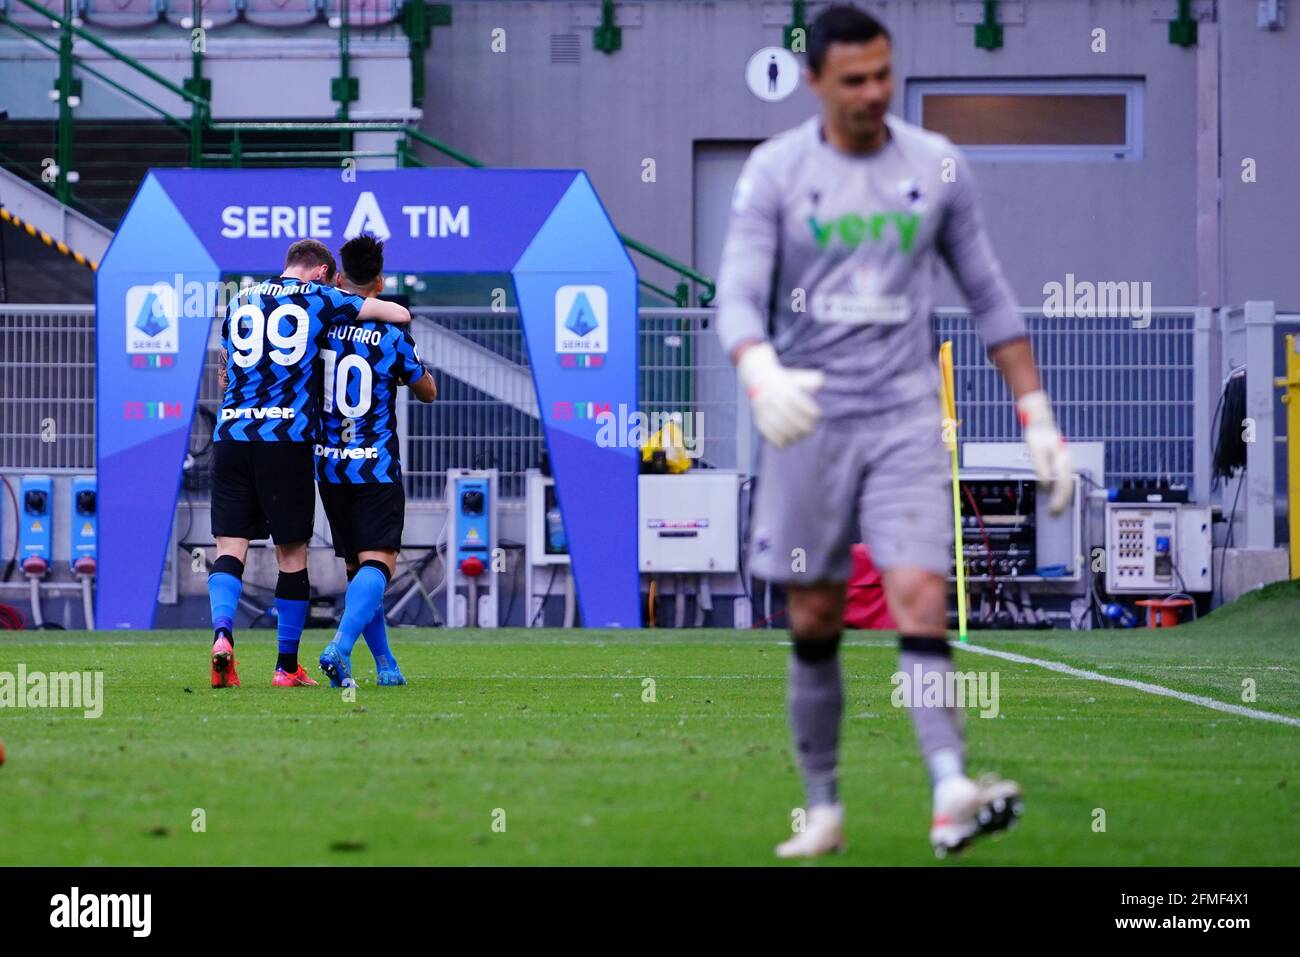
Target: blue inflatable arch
<point>185,228</point>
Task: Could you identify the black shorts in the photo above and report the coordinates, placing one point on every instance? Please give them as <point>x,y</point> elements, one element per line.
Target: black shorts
<point>364,517</point>
<point>263,488</point>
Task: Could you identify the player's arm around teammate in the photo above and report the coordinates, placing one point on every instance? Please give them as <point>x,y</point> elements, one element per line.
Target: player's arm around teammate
<point>262,461</point>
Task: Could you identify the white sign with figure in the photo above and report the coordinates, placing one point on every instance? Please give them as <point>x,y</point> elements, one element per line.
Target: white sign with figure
<point>772,74</point>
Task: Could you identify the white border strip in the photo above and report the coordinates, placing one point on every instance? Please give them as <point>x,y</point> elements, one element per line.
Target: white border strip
<point>1137,685</point>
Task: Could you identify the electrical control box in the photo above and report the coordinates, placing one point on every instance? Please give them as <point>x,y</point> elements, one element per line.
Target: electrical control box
<point>1008,532</point>
<point>689,522</point>
<point>36,519</point>
<point>1157,548</point>
<point>472,595</point>
<point>471,506</point>
<point>84,526</point>
<point>999,527</point>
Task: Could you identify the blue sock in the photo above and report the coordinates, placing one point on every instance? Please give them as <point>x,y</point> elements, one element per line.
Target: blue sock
<point>376,635</point>
<point>225,584</point>
<point>292,602</point>
<point>364,598</point>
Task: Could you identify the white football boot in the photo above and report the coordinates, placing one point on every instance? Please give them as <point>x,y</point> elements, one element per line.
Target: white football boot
<point>823,833</point>
<point>965,809</point>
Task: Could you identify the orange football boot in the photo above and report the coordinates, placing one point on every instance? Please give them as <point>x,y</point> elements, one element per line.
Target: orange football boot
<point>298,679</point>
<point>224,674</point>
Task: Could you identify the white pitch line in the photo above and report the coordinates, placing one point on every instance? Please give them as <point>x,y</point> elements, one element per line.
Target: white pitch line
<point>1073,672</point>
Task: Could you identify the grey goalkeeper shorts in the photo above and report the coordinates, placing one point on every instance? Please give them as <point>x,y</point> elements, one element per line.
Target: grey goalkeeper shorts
<point>884,479</point>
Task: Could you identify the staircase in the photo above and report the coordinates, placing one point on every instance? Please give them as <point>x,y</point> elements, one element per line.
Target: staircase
<point>35,207</point>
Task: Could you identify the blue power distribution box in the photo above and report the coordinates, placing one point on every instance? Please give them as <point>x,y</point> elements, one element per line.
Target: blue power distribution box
<point>84,526</point>
<point>473,534</point>
<point>36,518</point>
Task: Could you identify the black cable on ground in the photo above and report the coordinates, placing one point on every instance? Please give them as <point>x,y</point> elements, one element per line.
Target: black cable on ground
<point>1227,543</point>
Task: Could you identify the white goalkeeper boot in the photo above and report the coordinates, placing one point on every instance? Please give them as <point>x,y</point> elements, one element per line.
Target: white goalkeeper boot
<point>823,833</point>
<point>965,809</point>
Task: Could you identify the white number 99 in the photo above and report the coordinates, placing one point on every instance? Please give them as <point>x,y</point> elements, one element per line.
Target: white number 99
<point>249,345</point>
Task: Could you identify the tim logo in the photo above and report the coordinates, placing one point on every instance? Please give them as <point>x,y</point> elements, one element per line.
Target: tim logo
<point>152,326</point>
<point>131,911</point>
<point>569,411</point>
<point>581,324</point>
<point>136,411</point>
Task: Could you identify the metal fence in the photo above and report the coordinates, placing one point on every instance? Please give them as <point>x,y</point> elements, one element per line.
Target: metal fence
<point>1134,389</point>
<point>47,388</point>
<point>486,415</point>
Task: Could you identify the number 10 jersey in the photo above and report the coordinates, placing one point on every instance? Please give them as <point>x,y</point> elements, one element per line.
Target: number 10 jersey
<point>362,366</point>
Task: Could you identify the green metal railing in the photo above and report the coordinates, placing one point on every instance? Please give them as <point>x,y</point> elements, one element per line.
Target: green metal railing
<point>69,87</point>
<point>202,138</point>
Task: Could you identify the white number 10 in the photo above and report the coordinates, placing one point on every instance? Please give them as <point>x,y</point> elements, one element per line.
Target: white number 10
<point>248,346</point>
<point>336,383</point>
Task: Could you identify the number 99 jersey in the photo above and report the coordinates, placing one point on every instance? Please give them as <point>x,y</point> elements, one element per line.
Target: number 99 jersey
<point>363,364</point>
<point>274,332</point>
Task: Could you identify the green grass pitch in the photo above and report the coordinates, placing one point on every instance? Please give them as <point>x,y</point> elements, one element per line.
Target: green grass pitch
<point>538,747</point>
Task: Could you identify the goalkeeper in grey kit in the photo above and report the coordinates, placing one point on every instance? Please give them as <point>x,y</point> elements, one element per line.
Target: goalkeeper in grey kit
<point>825,295</point>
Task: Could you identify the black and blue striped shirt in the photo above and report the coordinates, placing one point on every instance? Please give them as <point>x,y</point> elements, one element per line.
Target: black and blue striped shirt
<point>273,333</point>
<point>363,364</point>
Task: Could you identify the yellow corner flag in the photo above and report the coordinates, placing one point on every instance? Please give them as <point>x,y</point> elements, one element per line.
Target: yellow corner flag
<point>948,399</point>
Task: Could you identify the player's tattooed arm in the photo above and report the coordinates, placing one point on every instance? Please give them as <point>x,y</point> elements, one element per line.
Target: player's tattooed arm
<point>223,363</point>
<point>414,373</point>
<point>424,388</point>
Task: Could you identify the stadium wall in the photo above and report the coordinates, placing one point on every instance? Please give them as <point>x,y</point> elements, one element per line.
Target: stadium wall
<point>677,82</point>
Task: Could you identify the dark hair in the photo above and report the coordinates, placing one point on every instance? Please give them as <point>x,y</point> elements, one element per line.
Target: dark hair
<point>363,259</point>
<point>840,23</point>
<point>310,253</point>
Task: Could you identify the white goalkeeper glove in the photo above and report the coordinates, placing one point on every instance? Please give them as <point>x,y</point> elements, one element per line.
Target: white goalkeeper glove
<point>782,399</point>
<point>1046,448</point>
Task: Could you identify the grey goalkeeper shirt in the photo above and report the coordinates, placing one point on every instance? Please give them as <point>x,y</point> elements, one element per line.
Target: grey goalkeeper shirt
<point>833,257</point>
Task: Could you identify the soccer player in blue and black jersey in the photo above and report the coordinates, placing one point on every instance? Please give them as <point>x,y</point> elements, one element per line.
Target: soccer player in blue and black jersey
<point>357,461</point>
<point>262,452</point>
